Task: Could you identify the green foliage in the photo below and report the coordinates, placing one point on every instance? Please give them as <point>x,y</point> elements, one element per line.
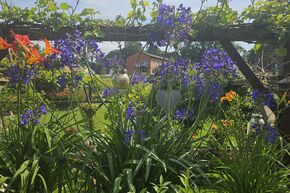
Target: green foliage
<point>73,151</point>
<point>37,158</point>
<point>48,12</point>
<point>220,15</point>
<point>246,162</point>
<point>274,14</point>
<point>162,187</point>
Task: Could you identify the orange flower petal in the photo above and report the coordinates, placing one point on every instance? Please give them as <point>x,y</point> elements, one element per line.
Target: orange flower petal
<point>229,97</point>
<point>20,39</point>
<point>3,44</point>
<point>223,99</point>
<point>233,93</point>
<point>33,56</point>
<point>49,49</point>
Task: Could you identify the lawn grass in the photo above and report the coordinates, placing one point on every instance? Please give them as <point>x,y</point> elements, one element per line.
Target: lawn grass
<point>74,116</point>
<point>70,118</point>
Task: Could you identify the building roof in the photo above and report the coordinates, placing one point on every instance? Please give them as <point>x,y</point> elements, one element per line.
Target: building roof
<point>152,55</point>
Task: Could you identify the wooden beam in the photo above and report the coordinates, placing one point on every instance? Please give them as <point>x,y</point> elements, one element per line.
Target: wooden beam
<point>243,66</point>
<point>245,32</point>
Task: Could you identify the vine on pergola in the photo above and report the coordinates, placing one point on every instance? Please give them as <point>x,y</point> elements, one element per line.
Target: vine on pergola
<point>273,14</point>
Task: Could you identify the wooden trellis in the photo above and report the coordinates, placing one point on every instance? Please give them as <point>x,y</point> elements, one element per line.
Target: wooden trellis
<point>245,32</point>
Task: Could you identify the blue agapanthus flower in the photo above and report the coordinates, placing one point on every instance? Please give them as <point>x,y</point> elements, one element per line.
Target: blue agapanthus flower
<point>75,48</point>
<point>270,101</point>
<point>129,111</point>
<point>22,76</point>
<point>138,78</point>
<point>216,62</point>
<point>171,24</point>
<point>32,115</point>
<point>141,134</point>
<point>129,135</point>
<point>256,94</point>
<point>108,92</point>
<point>62,81</point>
<point>271,135</point>
<point>182,114</point>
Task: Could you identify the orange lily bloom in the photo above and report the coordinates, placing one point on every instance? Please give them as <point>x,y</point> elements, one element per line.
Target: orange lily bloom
<point>20,39</point>
<point>49,49</point>
<point>229,96</point>
<point>33,56</point>
<point>3,44</point>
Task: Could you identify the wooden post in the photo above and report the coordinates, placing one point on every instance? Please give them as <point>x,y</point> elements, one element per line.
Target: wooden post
<point>243,66</point>
<point>3,54</point>
<point>284,117</point>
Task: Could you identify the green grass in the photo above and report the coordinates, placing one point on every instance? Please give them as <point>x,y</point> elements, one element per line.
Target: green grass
<point>71,117</point>
<point>99,122</point>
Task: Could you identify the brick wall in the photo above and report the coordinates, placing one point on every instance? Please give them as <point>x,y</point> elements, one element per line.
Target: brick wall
<point>133,60</point>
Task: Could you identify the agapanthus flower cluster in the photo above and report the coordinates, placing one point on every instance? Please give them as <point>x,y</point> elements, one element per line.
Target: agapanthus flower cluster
<point>129,111</point>
<point>270,133</point>
<point>138,78</point>
<point>267,98</point>
<point>115,62</point>
<point>182,114</point>
<point>108,92</point>
<point>64,79</point>
<point>207,87</point>
<point>21,75</point>
<point>173,73</point>
<point>76,48</point>
<point>131,133</point>
<point>216,63</point>
<point>32,116</point>
<point>270,101</point>
<point>172,24</point>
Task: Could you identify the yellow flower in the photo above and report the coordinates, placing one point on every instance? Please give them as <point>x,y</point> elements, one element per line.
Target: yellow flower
<point>288,103</point>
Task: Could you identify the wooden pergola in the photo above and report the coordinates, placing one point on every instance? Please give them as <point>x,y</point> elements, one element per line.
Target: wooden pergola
<point>225,35</point>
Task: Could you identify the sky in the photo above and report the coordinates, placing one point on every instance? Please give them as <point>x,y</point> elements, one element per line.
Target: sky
<point>109,9</point>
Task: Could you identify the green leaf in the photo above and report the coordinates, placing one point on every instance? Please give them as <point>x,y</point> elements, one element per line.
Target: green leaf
<point>24,180</point>
<point>117,186</point>
<point>88,11</point>
<point>133,3</point>
<point>21,168</point>
<point>48,137</point>
<point>43,182</point>
<point>111,165</point>
<point>130,13</point>
<point>146,3</point>
<point>52,6</point>
<point>2,181</point>
<point>64,6</point>
<point>34,168</point>
<point>148,167</point>
<point>280,52</point>
<point>257,47</point>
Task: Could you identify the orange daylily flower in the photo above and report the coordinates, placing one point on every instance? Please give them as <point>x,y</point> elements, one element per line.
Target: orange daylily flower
<point>226,122</point>
<point>49,49</point>
<point>214,127</point>
<point>20,39</point>
<point>3,44</point>
<point>229,96</point>
<point>33,56</point>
